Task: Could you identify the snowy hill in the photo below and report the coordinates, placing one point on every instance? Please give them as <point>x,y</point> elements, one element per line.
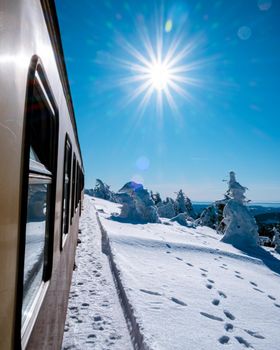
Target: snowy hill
<point>188,290</point>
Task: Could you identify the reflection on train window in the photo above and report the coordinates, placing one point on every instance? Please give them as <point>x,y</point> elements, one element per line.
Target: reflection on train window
<point>40,135</point>
<point>36,226</point>
<point>66,186</point>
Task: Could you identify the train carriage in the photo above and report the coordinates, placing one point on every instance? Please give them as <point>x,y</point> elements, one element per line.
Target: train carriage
<point>41,177</point>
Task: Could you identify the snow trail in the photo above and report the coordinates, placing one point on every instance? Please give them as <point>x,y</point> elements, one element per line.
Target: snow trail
<point>95,319</point>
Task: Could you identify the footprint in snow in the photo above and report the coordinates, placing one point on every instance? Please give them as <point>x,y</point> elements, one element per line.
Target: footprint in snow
<point>258,290</point>
<point>167,252</point>
<point>204,270</point>
<point>229,315</point>
<point>240,277</point>
<point>212,317</point>
<point>209,286</point>
<point>237,272</point>
<point>168,245</point>
<point>271,297</point>
<point>211,281</point>
<point>224,339</point>
<point>91,336</point>
<point>189,264</point>
<point>222,267</point>
<point>149,292</point>
<point>176,257</point>
<point>228,327</point>
<point>277,305</point>
<point>177,301</point>
<point>97,318</point>
<point>243,342</point>
<point>222,294</point>
<point>254,334</point>
<point>216,302</point>
<point>254,284</point>
<point>204,275</point>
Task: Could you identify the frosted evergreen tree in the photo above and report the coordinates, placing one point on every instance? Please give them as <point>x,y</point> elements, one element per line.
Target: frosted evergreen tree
<point>102,190</point>
<point>145,207</point>
<point>156,198</point>
<point>208,217</point>
<point>184,205</point>
<point>241,229</point>
<point>220,205</point>
<point>276,239</point>
<point>166,208</point>
<point>180,205</point>
<point>189,207</point>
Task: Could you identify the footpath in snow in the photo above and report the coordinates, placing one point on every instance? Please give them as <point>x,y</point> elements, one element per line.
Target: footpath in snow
<point>189,291</point>
<point>95,318</point>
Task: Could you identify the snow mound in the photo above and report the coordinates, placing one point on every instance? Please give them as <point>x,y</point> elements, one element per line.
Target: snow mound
<point>182,220</point>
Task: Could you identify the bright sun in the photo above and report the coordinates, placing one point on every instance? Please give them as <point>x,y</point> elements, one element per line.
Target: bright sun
<point>160,76</point>
<point>160,71</point>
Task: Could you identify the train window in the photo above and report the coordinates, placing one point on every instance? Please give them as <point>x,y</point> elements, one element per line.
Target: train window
<point>41,136</point>
<point>66,185</point>
<point>77,186</point>
<point>73,187</point>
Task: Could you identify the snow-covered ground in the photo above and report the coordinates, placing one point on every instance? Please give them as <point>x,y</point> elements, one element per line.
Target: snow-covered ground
<point>187,289</point>
<point>95,319</point>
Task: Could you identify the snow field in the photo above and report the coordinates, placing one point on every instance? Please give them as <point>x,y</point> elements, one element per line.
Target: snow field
<point>191,291</point>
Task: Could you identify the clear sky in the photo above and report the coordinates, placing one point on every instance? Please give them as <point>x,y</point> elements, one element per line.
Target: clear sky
<point>216,66</point>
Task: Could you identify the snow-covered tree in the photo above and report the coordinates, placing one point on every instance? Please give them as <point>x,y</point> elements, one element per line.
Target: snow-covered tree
<point>241,229</point>
<point>184,205</point>
<point>208,217</point>
<point>189,208</point>
<point>220,205</point>
<point>145,206</point>
<point>276,239</point>
<point>166,208</point>
<point>102,190</point>
<point>137,204</point>
<point>156,198</point>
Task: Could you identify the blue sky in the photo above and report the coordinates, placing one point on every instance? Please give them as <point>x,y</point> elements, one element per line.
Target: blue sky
<point>230,119</point>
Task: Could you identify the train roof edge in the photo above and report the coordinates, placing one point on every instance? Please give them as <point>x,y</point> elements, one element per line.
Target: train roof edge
<point>52,23</point>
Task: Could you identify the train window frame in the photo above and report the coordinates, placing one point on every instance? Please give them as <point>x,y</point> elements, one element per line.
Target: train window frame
<point>37,171</point>
<point>65,228</point>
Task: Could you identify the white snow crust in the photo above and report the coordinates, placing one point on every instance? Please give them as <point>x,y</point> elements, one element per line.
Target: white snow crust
<point>189,290</point>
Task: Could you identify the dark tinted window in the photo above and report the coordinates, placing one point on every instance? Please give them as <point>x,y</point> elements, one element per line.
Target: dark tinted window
<point>66,186</point>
